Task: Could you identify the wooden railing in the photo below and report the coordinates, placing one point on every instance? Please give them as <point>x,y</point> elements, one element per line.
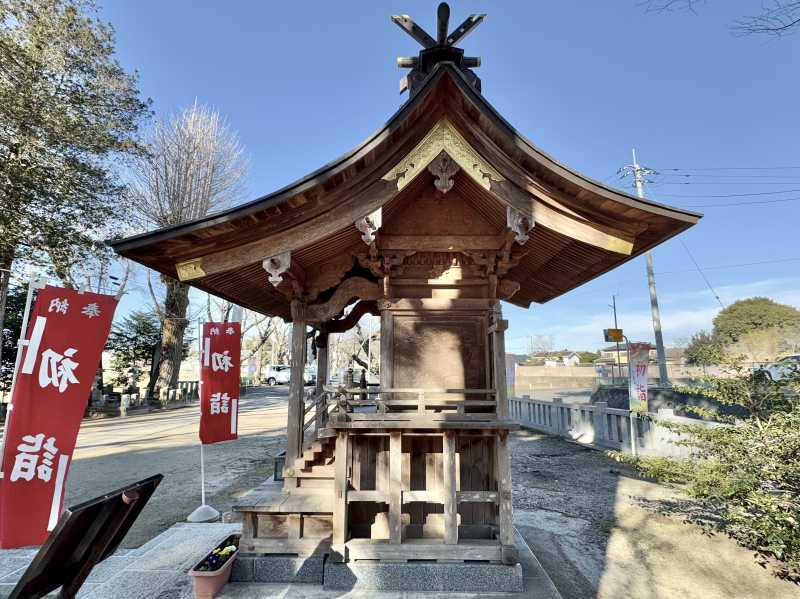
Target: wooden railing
<point>373,399</point>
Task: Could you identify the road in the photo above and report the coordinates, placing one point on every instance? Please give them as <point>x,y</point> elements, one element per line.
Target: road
<point>114,451</point>
<point>568,395</point>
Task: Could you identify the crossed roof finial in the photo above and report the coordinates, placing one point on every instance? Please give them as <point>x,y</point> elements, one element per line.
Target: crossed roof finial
<point>441,49</point>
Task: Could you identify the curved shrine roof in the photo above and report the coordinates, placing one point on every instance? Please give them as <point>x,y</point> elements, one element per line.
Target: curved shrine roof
<point>581,227</point>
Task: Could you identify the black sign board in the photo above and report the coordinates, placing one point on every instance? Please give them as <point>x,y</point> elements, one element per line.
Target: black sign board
<point>85,535</point>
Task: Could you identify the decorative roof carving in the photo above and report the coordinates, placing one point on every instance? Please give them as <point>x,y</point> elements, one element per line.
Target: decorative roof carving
<point>443,168</point>
<point>519,224</point>
<point>276,266</point>
<point>437,50</point>
<point>369,226</point>
<point>443,137</point>
<point>191,269</point>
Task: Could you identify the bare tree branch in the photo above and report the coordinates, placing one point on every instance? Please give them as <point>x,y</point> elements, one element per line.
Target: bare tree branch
<point>778,19</point>
<point>196,166</point>
<point>124,282</point>
<point>154,299</point>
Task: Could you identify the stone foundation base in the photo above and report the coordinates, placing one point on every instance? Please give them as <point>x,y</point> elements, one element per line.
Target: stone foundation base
<point>471,577</point>
<point>278,568</point>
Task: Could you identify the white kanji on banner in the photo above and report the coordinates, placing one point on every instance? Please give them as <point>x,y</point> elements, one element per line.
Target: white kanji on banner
<point>58,370</point>
<point>221,361</point>
<point>91,310</point>
<point>58,305</point>
<point>26,462</point>
<point>219,403</point>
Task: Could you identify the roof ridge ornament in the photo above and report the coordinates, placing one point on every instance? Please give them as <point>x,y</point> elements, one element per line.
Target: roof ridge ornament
<point>435,51</point>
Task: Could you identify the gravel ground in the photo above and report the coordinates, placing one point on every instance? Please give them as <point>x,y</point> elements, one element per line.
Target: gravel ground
<point>596,528</point>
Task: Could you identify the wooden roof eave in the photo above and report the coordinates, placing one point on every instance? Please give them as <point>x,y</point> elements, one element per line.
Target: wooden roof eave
<point>317,178</point>
<point>549,163</point>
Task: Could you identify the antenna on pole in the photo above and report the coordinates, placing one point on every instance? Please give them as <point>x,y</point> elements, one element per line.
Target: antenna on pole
<point>639,174</point>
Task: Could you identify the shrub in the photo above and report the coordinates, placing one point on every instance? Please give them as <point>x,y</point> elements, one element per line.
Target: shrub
<point>744,477</point>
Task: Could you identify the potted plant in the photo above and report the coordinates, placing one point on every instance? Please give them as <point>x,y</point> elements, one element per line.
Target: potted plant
<point>214,570</point>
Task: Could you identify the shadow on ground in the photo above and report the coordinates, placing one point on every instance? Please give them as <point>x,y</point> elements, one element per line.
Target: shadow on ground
<point>602,532</point>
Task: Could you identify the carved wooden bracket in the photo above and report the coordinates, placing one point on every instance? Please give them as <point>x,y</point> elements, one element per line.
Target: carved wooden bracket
<point>443,168</point>
<point>349,289</point>
<point>277,266</point>
<point>519,224</point>
<point>506,288</point>
<point>369,226</point>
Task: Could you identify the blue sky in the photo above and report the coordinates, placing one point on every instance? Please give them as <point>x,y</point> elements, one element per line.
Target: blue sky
<point>585,81</point>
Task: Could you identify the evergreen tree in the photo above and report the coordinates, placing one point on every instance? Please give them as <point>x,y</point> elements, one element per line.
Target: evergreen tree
<point>753,314</point>
<point>67,111</point>
<point>133,342</point>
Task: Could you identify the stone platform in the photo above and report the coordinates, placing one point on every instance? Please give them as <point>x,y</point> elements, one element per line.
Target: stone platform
<point>157,570</point>
<point>415,576</point>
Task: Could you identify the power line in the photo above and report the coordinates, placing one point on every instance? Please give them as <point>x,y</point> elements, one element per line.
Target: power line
<point>724,266</point>
<point>742,203</point>
<point>695,175</point>
<point>729,195</point>
<point>727,183</point>
<point>733,168</point>
<point>697,266</point>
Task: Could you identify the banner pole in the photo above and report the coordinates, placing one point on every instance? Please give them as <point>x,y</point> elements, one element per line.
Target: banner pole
<point>202,476</point>
<point>203,513</point>
<point>36,282</point>
<point>631,412</point>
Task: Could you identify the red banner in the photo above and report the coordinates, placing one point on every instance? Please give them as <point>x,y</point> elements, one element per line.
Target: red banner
<point>66,334</point>
<point>220,349</point>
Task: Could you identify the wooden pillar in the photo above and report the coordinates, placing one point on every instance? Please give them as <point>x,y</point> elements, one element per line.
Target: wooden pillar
<point>504,507</point>
<point>322,361</point>
<point>387,354</point>
<point>449,479</point>
<point>499,345</point>
<point>322,380</point>
<point>340,484</point>
<point>296,408</point>
<point>395,487</point>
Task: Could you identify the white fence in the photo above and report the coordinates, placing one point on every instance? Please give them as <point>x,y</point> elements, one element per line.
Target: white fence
<point>598,425</point>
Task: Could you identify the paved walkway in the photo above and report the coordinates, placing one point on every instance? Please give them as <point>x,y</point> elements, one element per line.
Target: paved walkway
<point>112,452</point>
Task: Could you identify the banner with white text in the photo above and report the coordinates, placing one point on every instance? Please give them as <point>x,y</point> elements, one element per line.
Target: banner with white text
<point>638,362</point>
<point>65,338</point>
<point>220,348</point>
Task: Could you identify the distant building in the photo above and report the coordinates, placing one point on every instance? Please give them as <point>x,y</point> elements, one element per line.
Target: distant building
<point>553,359</point>
<point>608,355</point>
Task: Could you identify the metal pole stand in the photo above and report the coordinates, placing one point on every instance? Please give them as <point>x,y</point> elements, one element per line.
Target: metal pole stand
<point>204,513</point>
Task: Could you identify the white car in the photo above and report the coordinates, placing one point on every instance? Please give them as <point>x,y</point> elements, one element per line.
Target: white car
<point>279,374</point>
<point>783,368</point>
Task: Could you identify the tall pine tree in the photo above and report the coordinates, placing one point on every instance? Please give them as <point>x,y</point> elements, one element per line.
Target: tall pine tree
<point>68,110</point>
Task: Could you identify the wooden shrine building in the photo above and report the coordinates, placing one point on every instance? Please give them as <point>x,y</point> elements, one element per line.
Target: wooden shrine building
<point>432,222</point>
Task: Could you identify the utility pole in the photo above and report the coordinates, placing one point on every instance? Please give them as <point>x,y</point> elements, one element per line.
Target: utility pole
<point>639,173</point>
<point>619,364</point>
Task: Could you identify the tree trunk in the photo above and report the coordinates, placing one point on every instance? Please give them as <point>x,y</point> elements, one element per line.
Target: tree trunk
<point>6,261</point>
<point>175,303</point>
